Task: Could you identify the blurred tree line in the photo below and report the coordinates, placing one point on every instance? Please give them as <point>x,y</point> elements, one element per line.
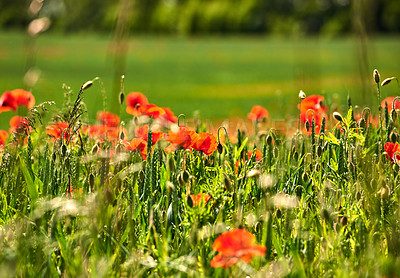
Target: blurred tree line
<point>191,17</point>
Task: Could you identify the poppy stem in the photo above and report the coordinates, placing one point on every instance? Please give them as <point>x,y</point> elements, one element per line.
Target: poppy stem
<point>179,117</point>
<point>226,132</point>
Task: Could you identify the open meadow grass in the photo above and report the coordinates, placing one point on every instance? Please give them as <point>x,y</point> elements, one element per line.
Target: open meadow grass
<point>220,77</point>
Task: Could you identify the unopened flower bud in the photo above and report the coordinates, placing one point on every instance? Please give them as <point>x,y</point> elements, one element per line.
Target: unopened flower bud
<point>337,116</point>
<point>387,81</point>
<point>377,76</point>
<point>87,85</point>
<point>220,148</point>
<point>302,95</point>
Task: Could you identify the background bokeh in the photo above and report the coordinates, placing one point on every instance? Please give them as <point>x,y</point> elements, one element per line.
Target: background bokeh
<point>217,57</point>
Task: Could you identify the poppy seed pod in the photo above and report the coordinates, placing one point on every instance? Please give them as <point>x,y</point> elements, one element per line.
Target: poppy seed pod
<point>338,116</point>
<point>377,76</point>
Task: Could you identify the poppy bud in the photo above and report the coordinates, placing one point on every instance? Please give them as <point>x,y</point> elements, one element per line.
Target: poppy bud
<point>278,213</point>
<point>384,191</point>
<point>302,95</point>
<point>337,116</point>
<point>343,221</point>
<point>393,137</point>
<point>63,150</point>
<point>171,164</point>
<point>87,85</point>
<point>393,114</point>
<point>377,76</point>
<point>91,180</point>
<point>304,177</point>
<point>95,149</point>
<point>387,81</point>
<point>220,148</point>
<point>308,126</point>
<point>121,98</point>
<point>319,150</point>
<point>363,123</point>
<point>269,140</point>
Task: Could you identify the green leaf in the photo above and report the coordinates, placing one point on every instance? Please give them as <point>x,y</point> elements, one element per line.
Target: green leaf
<point>32,186</point>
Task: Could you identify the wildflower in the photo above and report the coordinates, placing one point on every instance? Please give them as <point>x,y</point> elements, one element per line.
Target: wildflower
<point>234,246</point>
<point>142,132</point>
<point>136,145</point>
<point>169,116</point>
<point>312,107</point>
<point>392,151</point>
<point>19,124</point>
<point>134,100</point>
<point>108,119</point>
<point>198,198</point>
<point>3,137</point>
<point>258,113</point>
<point>58,129</point>
<point>151,110</point>
<point>182,137</point>
<point>10,100</point>
<point>206,143</point>
<point>389,101</point>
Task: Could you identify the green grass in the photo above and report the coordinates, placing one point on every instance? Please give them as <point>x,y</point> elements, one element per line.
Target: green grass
<point>218,76</point>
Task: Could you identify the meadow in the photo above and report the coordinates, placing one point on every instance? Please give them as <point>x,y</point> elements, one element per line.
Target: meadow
<point>218,76</point>
<point>161,194</point>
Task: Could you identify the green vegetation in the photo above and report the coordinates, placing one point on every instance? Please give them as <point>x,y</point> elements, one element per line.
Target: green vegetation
<point>84,205</point>
<point>221,77</point>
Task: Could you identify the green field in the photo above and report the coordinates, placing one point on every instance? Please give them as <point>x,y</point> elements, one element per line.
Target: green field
<point>219,76</point>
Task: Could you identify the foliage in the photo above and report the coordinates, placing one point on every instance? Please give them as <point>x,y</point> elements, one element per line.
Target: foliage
<point>321,205</point>
<point>330,17</point>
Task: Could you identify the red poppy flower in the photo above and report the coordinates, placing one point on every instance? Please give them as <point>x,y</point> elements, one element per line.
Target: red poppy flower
<point>198,198</point>
<point>3,137</point>
<point>389,101</point>
<point>136,145</point>
<point>141,132</point>
<point>258,154</point>
<point>10,100</point>
<point>391,150</point>
<point>206,143</point>
<point>152,111</point>
<point>169,115</point>
<point>108,119</point>
<point>19,124</point>
<point>258,157</point>
<point>58,129</point>
<point>182,137</point>
<point>102,131</point>
<point>134,100</point>
<point>312,107</point>
<point>235,245</point>
<point>257,113</point>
